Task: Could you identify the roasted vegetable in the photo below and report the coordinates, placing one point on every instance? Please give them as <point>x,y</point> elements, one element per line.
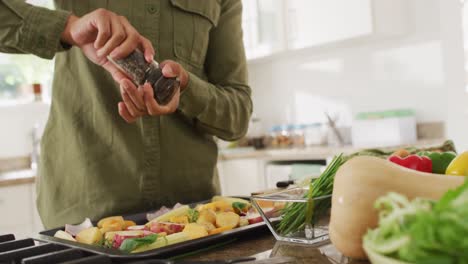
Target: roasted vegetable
<point>128,223</point>
<point>111,220</point>
<point>109,236</point>
<point>181,211</point>
<point>193,215</point>
<point>163,241</point>
<point>166,227</point>
<point>232,200</point>
<point>64,235</point>
<point>218,206</point>
<point>195,230</point>
<point>130,244</point>
<point>220,230</point>
<point>206,216</point>
<point>459,165</point>
<point>227,219</point>
<point>90,236</point>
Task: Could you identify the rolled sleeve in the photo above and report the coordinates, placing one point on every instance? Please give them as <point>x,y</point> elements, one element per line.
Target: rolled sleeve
<point>194,98</point>
<point>37,30</point>
<point>221,105</point>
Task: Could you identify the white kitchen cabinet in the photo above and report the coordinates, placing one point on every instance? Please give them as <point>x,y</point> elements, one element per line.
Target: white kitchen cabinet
<point>17,210</point>
<point>276,26</point>
<point>317,22</point>
<point>241,176</point>
<point>263,26</point>
<point>37,222</point>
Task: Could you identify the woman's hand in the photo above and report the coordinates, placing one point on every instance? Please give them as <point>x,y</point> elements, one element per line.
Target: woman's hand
<point>102,33</point>
<point>140,101</point>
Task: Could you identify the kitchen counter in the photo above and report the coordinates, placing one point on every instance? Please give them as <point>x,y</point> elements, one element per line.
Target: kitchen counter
<point>308,153</point>
<point>17,177</point>
<point>264,246</point>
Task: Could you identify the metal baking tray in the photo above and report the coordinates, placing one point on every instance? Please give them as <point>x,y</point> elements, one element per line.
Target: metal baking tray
<point>171,251</point>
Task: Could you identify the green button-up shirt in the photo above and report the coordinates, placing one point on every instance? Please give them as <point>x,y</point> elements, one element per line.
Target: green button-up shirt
<point>93,163</point>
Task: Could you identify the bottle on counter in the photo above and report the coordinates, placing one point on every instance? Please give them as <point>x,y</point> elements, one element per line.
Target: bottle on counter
<point>315,134</point>
<point>37,90</point>
<point>297,135</point>
<point>255,133</point>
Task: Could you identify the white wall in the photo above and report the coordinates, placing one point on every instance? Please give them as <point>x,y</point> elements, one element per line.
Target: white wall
<point>403,71</point>
<point>16,130</point>
<point>454,61</point>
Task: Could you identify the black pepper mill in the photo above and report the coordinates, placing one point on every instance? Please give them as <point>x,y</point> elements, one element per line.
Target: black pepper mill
<point>137,68</point>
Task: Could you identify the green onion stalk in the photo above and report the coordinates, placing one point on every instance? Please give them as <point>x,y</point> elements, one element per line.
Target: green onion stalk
<point>297,215</point>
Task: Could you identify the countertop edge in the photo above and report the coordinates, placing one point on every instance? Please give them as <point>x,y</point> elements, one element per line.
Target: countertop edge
<point>17,178</point>
<point>309,153</point>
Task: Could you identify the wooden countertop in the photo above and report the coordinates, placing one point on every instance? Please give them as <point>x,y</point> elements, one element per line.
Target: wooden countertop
<point>308,153</point>
<point>17,177</point>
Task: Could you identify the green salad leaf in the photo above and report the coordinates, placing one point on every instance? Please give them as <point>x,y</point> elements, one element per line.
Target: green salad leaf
<point>423,231</point>
<point>130,244</point>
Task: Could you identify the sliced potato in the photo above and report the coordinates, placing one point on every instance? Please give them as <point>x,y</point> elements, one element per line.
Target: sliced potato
<point>64,235</point>
<point>109,227</point>
<point>243,221</point>
<point>194,230</point>
<point>206,216</point>
<point>128,223</point>
<point>89,236</point>
<point>111,219</point>
<point>227,219</point>
<point>220,230</point>
<point>231,200</point>
<point>218,206</point>
<point>208,226</point>
<point>183,210</point>
<point>181,219</point>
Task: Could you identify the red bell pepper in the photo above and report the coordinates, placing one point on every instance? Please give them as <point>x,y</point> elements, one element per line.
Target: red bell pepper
<point>413,162</point>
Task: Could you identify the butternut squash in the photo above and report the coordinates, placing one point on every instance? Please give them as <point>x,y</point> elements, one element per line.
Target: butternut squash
<point>359,182</point>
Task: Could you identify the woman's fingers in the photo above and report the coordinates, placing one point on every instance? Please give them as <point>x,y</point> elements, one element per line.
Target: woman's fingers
<point>132,109</point>
<point>123,112</point>
<point>103,27</point>
<point>152,105</point>
<point>130,43</point>
<point>116,73</point>
<point>118,36</point>
<point>147,48</point>
<point>171,69</point>
<point>135,94</point>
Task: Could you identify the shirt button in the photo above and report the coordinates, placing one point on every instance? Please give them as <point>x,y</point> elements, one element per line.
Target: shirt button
<point>151,9</point>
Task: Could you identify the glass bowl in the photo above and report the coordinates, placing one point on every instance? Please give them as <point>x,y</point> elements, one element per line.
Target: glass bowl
<point>272,208</point>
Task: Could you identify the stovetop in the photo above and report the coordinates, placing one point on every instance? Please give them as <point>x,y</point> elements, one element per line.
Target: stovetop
<point>29,251</point>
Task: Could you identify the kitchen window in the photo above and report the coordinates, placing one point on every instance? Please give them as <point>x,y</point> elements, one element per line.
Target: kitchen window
<point>19,71</point>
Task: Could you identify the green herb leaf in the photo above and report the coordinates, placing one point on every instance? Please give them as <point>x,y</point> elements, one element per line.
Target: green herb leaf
<point>130,244</point>
<point>193,215</point>
<point>239,207</point>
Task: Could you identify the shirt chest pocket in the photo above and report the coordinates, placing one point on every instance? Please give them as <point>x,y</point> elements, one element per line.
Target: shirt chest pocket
<point>193,21</point>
